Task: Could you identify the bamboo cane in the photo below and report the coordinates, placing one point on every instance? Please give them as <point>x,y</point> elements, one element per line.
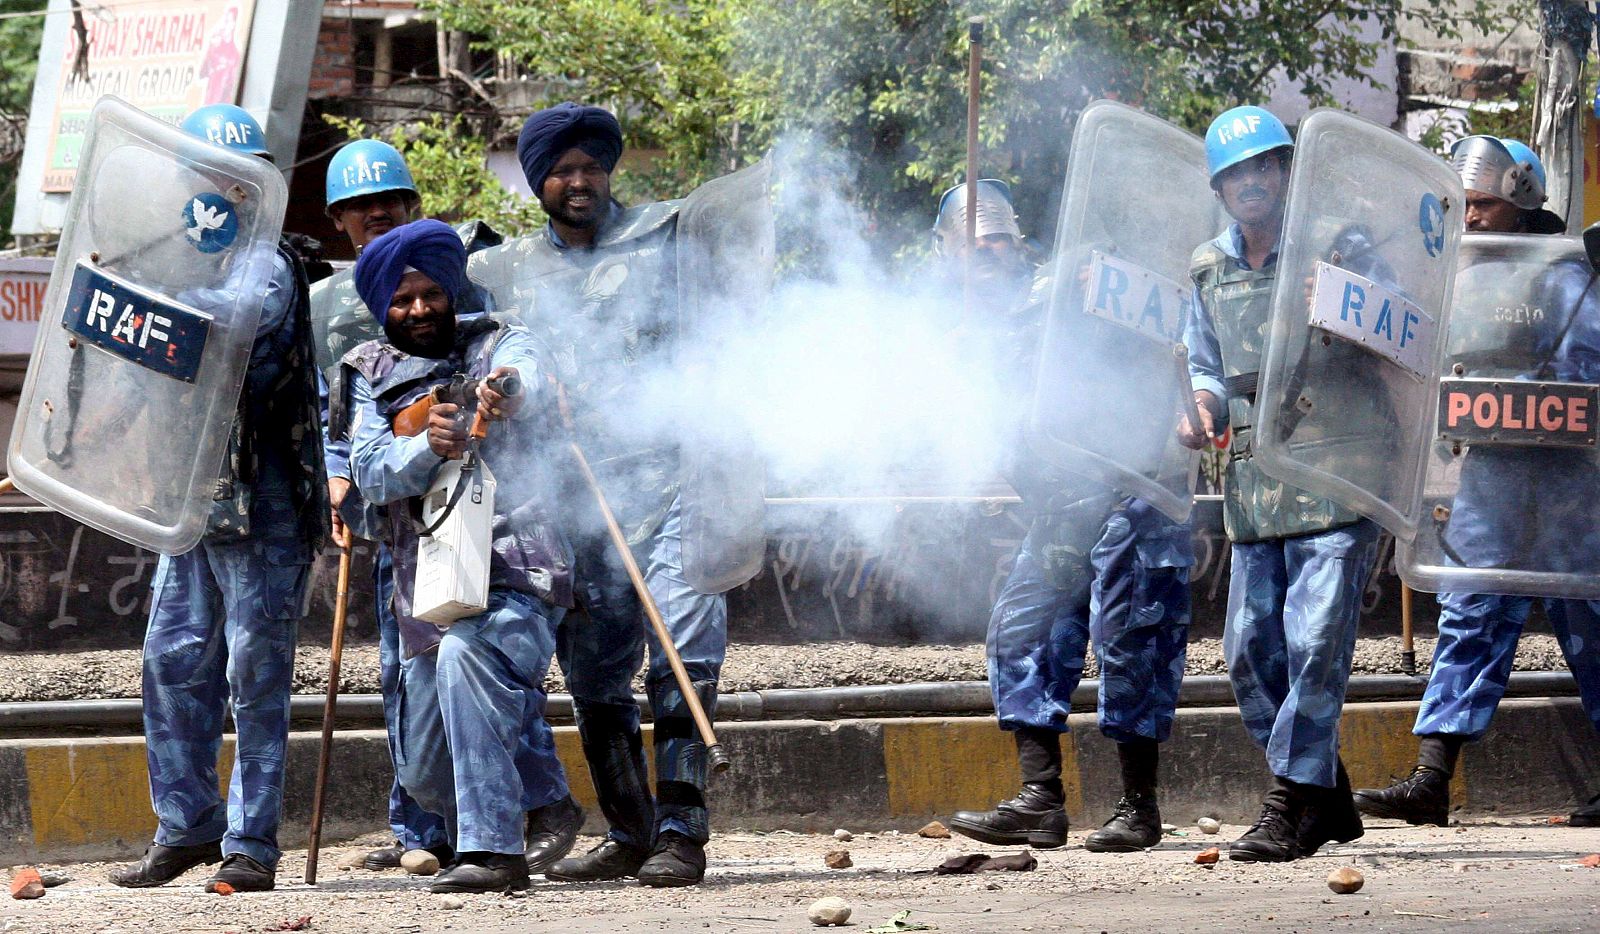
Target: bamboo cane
<point>718,758</point>
<point>318,799</point>
<point>1408,654</point>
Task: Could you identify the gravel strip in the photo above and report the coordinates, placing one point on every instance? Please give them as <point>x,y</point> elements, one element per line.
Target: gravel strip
<point>1489,876</point>
<point>101,674</point>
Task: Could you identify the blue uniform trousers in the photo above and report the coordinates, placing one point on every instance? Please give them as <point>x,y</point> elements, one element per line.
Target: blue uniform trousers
<point>223,620</point>
<point>1129,591</point>
<point>464,712</point>
<point>414,826</point>
<point>1477,643</point>
<point>1293,606</point>
<point>599,657</point>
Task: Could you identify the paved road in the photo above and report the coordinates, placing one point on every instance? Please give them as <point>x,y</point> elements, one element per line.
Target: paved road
<point>1514,875</point>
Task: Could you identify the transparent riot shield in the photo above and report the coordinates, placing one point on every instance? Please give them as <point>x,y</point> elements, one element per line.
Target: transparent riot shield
<point>1113,373</point>
<point>147,327</point>
<point>339,319</point>
<point>1512,467</point>
<point>1370,233</point>
<point>726,246</point>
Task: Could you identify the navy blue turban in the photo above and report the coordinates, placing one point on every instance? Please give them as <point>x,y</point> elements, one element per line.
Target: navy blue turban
<point>549,133</point>
<point>428,246</point>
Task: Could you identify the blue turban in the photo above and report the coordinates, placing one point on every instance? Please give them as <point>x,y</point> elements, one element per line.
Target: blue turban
<point>428,246</point>
<point>551,132</point>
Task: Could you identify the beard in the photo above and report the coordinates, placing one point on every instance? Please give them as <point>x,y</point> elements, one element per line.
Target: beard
<point>433,337</point>
<point>578,217</point>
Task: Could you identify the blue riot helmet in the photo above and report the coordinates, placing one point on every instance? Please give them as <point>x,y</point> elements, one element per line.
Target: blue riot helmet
<point>229,127</point>
<point>367,167</point>
<point>1504,168</point>
<point>1243,133</point>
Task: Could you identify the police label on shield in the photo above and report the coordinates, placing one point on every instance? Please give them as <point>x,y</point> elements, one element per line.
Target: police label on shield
<point>223,616</point>
<point>470,688</point>
<point>370,192</point>
<point>1519,521</point>
<point>1300,562</point>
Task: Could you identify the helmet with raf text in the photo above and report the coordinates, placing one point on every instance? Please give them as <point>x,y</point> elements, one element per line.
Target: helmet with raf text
<point>1243,133</point>
<point>367,167</point>
<point>229,127</point>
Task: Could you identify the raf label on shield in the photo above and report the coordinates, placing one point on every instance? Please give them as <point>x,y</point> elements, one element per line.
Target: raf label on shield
<point>1381,320</point>
<point>1136,298</point>
<point>1504,411</point>
<point>135,324</point>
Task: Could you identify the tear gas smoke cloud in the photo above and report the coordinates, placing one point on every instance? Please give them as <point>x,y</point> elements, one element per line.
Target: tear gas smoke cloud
<point>850,383</point>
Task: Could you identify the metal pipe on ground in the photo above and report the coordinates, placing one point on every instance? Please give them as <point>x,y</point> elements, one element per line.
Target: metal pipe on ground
<point>946,698</point>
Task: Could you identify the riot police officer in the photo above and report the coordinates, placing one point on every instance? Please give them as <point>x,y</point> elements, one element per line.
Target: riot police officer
<point>1509,509</point>
<point>1094,563</point>
<point>370,192</point>
<point>1300,562</point>
<point>597,285</point>
<point>469,691</point>
<point>223,616</point>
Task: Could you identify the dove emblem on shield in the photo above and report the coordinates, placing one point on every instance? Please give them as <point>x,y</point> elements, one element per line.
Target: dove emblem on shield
<point>205,218</point>
<point>210,222</point>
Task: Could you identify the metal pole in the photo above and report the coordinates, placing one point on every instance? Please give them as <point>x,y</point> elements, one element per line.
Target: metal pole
<point>974,90</point>
<point>714,752</point>
<point>319,796</point>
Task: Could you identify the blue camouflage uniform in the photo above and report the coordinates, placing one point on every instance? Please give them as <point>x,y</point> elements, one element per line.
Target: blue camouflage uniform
<point>602,312</point>
<point>470,742</point>
<point>1108,567</point>
<point>1515,508</point>
<point>224,615</point>
<point>1300,562</point>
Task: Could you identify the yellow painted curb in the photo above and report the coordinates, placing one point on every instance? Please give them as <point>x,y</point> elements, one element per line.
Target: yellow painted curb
<point>96,791</point>
<point>940,766</point>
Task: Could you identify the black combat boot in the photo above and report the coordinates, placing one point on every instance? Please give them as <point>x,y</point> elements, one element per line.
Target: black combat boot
<point>1330,816</point>
<point>550,833</point>
<point>1037,815</point>
<point>387,857</point>
<point>161,864</point>
<point>676,861</point>
<point>614,748</point>
<point>610,860</point>
<point>242,874</point>
<point>479,873</point>
<point>1423,797</point>
<point>1274,837</point>
<point>1135,824</point>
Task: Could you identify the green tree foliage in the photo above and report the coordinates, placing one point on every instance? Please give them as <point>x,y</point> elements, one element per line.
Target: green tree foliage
<point>712,85</point>
<point>19,59</point>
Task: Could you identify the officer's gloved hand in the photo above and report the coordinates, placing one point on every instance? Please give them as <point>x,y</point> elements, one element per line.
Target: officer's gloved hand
<point>447,431</point>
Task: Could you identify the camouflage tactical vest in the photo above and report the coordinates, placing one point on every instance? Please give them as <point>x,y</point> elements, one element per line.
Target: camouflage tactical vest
<point>1255,506</point>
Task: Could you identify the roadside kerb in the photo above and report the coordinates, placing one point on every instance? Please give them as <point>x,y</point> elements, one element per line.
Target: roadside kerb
<point>87,798</point>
